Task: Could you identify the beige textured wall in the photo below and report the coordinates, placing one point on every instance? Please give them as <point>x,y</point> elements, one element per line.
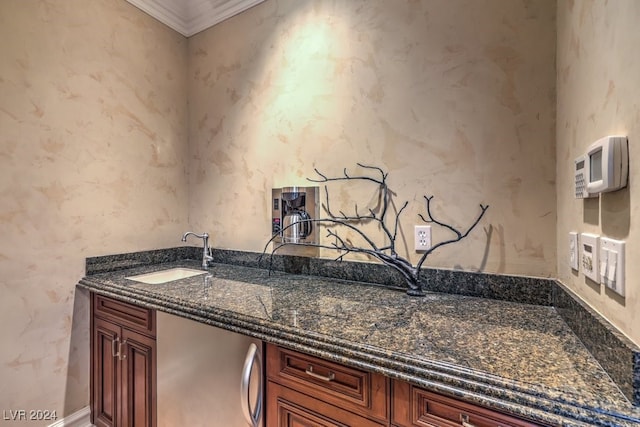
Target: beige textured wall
<point>93,149</point>
<point>452,98</point>
<point>598,92</point>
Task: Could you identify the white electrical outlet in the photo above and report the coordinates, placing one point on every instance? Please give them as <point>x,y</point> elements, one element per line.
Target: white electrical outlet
<point>422,237</point>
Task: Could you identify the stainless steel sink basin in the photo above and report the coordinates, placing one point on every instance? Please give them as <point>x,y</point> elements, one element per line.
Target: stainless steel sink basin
<point>165,276</point>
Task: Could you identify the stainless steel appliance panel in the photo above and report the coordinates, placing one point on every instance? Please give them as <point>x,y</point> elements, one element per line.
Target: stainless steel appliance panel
<point>294,211</point>
<point>200,370</point>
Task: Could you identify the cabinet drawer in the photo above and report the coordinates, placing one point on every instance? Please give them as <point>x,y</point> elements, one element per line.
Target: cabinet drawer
<point>348,388</point>
<point>415,407</point>
<point>288,408</point>
<point>128,315</point>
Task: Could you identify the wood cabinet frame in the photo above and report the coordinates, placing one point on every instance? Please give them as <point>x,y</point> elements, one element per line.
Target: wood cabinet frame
<point>123,364</point>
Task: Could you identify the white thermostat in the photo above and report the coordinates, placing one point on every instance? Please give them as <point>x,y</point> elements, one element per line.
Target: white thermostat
<point>607,164</point>
<point>580,173</point>
<point>603,168</point>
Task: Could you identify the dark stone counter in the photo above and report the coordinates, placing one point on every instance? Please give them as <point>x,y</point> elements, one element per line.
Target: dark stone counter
<point>505,354</point>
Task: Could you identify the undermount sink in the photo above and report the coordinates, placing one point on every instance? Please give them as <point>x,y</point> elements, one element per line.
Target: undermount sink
<point>165,276</point>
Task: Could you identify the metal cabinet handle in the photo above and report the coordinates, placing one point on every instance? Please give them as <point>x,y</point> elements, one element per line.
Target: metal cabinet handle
<point>122,355</point>
<point>119,354</point>
<point>115,342</point>
<point>252,360</point>
<point>327,378</point>
<point>464,419</point>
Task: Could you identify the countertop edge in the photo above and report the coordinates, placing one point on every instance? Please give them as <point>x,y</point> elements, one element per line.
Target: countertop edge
<point>489,391</point>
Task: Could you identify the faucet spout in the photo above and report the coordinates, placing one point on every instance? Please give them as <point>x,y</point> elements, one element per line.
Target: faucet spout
<point>199,236</point>
<point>206,250</point>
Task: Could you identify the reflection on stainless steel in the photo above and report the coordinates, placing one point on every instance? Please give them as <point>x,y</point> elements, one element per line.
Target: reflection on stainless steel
<point>294,210</point>
<point>202,378</point>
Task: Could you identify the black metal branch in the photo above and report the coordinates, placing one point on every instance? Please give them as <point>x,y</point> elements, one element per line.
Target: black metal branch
<point>399,264</point>
<point>358,217</point>
<point>396,225</point>
<point>327,206</point>
<point>460,235</point>
<point>342,245</point>
<point>433,220</point>
<point>410,272</point>
<point>348,177</point>
<point>345,178</point>
<point>339,222</point>
<point>385,198</point>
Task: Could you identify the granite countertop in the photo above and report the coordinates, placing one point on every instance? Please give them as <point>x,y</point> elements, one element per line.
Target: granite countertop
<point>514,357</point>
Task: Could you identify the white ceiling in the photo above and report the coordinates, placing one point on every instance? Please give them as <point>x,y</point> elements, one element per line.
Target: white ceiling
<point>189,17</point>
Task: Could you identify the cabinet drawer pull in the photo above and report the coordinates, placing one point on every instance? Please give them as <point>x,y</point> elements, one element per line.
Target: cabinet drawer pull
<point>464,418</point>
<point>327,378</point>
<point>120,353</point>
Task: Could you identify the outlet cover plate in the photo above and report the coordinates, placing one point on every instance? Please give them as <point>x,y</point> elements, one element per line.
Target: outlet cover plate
<point>422,237</point>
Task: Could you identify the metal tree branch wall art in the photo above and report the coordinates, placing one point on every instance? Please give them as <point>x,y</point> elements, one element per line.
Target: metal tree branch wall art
<point>388,224</point>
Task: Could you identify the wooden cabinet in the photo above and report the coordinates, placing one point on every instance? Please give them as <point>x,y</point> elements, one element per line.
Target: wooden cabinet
<point>289,408</point>
<point>123,364</point>
<point>415,407</point>
<point>307,391</point>
<point>301,390</point>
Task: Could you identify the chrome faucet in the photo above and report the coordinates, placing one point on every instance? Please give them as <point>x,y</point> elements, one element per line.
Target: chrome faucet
<point>206,250</point>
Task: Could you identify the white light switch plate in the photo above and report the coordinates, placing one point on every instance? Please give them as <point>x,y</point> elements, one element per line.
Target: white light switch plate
<point>613,252</point>
<point>589,256</point>
<point>573,250</point>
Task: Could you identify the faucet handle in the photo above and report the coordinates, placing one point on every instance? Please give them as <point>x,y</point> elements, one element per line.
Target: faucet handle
<point>208,248</point>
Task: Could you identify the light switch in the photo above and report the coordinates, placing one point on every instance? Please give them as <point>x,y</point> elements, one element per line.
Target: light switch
<point>604,258</point>
<point>614,277</point>
<point>611,266</point>
<point>573,250</point>
<point>589,256</point>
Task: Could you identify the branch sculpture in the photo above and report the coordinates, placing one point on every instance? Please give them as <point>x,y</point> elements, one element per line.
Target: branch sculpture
<point>387,254</point>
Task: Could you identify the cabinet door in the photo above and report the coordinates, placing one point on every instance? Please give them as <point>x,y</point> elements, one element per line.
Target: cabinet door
<point>293,416</point>
<point>289,408</point>
<point>138,380</point>
<point>415,407</point>
<point>123,364</point>
<point>104,373</point>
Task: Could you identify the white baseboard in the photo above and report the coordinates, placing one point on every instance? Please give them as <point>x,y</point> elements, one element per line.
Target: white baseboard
<point>81,418</point>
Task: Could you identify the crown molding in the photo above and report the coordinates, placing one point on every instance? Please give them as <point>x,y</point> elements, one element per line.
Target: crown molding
<point>189,17</point>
